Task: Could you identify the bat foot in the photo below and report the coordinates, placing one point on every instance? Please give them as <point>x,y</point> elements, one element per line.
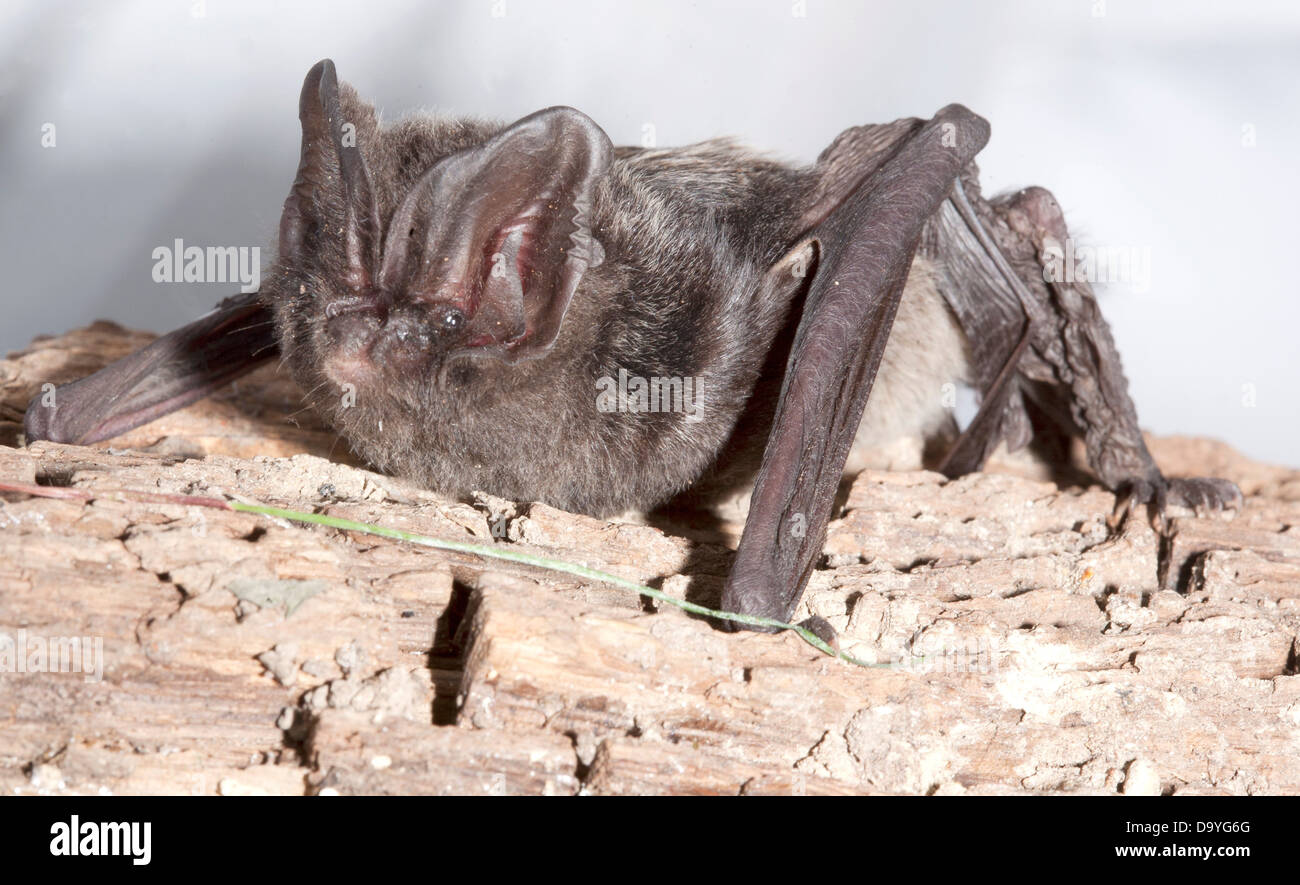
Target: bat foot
<point>1206,496</point>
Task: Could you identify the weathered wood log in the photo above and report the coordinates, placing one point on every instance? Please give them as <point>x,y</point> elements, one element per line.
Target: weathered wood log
<point>1024,646</point>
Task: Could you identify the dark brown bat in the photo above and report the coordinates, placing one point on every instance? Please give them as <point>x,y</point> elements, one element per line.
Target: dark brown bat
<point>478,306</point>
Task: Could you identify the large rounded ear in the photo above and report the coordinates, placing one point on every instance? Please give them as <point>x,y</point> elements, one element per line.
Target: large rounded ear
<point>501,232</point>
<point>332,191</point>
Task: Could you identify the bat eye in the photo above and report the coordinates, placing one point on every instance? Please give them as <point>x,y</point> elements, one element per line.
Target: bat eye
<point>451,319</point>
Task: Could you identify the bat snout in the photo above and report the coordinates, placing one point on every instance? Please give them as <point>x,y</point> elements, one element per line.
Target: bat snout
<point>351,330</point>
<point>405,344</point>
<point>367,337</point>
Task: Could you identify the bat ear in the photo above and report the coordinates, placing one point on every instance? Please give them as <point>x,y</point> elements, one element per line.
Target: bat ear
<point>502,232</point>
<point>331,176</point>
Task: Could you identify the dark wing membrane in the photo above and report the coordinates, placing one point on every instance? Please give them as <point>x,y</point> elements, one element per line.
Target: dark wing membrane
<point>169,374</point>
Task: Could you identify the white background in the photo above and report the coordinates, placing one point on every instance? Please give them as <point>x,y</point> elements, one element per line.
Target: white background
<point>180,120</point>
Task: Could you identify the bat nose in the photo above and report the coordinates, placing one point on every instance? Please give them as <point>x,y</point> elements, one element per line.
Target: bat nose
<point>407,340</point>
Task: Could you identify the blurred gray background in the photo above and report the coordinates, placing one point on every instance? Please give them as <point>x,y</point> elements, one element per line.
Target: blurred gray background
<point>1168,130</point>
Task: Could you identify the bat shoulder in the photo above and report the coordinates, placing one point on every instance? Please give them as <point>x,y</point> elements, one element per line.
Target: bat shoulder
<point>719,173</point>
<point>715,191</point>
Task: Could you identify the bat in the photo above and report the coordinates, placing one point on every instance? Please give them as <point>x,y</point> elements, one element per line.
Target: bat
<point>527,310</point>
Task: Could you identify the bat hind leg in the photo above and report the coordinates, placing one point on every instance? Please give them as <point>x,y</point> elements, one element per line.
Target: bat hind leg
<point>1050,333</point>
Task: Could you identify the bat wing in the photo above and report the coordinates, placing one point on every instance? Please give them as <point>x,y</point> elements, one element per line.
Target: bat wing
<point>864,239</point>
<point>170,373</point>
<point>990,312</point>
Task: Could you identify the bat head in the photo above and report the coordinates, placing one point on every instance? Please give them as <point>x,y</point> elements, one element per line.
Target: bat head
<point>405,251</point>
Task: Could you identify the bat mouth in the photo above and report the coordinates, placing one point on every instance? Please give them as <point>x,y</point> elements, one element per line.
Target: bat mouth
<point>350,372</point>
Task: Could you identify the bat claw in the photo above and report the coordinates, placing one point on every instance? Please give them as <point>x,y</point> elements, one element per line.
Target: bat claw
<point>822,629</point>
<point>1205,496</point>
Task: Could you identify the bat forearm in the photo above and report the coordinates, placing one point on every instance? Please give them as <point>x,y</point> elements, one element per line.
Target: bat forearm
<point>168,374</point>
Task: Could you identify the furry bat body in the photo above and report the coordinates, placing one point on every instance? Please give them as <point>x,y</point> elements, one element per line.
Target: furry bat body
<point>529,311</point>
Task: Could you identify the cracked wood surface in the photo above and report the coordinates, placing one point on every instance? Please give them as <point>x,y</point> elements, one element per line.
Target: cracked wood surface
<point>1033,649</point>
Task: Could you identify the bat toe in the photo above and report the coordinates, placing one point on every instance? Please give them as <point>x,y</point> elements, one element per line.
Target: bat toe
<point>1205,496</point>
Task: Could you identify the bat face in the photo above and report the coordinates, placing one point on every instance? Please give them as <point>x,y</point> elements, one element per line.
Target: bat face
<point>360,338</point>
<point>424,275</point>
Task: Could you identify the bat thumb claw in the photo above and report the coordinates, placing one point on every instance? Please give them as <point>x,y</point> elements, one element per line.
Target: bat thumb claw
<point>821,628</point>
